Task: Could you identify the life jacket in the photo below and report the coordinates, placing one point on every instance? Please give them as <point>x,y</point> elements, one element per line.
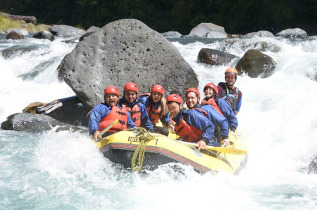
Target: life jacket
<point>213,103</point>
<point>135,114</point>
<point>229,96</point>
<point>154,114</point>
<point>188,132</point>
<point>115,113</point>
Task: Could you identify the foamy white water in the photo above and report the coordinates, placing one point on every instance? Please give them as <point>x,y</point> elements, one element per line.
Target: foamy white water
<point>64,170</point>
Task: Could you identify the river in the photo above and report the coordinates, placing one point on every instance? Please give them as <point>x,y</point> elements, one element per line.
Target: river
<point>65,170</point>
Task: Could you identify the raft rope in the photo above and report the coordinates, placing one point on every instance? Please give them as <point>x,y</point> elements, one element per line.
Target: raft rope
<point>143,136</point>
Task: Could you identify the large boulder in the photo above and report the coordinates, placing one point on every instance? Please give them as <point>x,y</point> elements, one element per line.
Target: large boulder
<point>66,31</point>
<point>44,35</point>
<point>214,57</point>
<point>125,51</point>
<point>202,29</point>
<point>293,33</point>
<point>254,64</point>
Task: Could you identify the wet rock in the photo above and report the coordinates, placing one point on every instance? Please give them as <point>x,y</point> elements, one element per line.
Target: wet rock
<point>214,57</point>
<point>258,34</point>
<point>262,46</point>
<point>172,34</point>
<point>27,19</point>
<point>66,31</point>
<point>203,28</point>
<point>293,33</point>
<point>312,168</point>
<point>14,35</point>
<point>30,122</point>
<point>44,35</point>
<point>254,64</point>
<point>124,51</point>
<point>19,49</point>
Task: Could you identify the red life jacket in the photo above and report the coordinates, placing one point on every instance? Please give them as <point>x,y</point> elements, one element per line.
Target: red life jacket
<point>115,113</point>
<point>188,132</point>
<point>154,114</point>
<point>135,113</point>
<point>212,102</point>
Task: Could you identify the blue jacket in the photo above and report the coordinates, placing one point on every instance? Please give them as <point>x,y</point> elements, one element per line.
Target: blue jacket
<point>217,119</point>
<point>228,113</point>
<point>98,113</point>
<point>145,120</point>
<point>222,91</point>
<point>197,119</point>
<point>147,101</point>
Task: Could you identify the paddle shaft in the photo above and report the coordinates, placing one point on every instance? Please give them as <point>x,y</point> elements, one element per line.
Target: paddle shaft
<point>218,149</point>
<point>107,128</point>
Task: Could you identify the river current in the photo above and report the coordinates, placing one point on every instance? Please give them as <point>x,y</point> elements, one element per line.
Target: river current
<point>65,170</point>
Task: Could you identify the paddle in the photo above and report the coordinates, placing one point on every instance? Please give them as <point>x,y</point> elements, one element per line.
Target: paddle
<point>218,149</point>
<point>107,128</point>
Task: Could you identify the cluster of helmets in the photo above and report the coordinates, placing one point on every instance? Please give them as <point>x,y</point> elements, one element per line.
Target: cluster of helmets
<point>159,88</point>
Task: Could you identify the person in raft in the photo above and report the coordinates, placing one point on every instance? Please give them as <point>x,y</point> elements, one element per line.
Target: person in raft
<point>136,109</point>
<point>219,104</point>
<point>156,107</point>
<point>221,133</point>
<point>106,113</point>
<point>229,92</point>
<point>191,125</point>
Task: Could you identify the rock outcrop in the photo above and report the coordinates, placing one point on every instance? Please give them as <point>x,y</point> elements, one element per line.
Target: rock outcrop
<point>124,51</point>
<point>202,29</point>
<point>293,33</point>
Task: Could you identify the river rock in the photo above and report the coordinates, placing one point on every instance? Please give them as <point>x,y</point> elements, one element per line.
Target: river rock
<point>125,51</point>
<point>44,35</point>
<point>19,49</point>
<point>293,33</point>
<point>30,122</point>
<point>258,34</point>
<point>254,64</point>
<point>262,46</point>
<point>312,168</point>
<point>172,34</point>
<point>203,28</point>
<point>66,31</point>
<point>27,19</point>
<point>214,57</point>
<point>14,35</point>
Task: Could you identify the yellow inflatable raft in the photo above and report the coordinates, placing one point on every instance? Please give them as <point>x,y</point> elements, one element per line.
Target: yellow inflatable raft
<point>159,149</point>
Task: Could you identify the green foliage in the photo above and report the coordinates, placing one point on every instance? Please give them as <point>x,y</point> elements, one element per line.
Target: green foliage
<point>240,16</point>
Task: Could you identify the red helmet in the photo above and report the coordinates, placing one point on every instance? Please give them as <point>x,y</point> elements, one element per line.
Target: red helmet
<point>174,98</point>
<point>213,86</point>
<point>193,90</point>
<point>231,71</point>
<point>112,89</point>
<point>131,86</point>
<point>158,88</point>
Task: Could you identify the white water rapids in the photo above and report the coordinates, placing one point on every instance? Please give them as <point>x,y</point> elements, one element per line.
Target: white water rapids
<point>64,170</point>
